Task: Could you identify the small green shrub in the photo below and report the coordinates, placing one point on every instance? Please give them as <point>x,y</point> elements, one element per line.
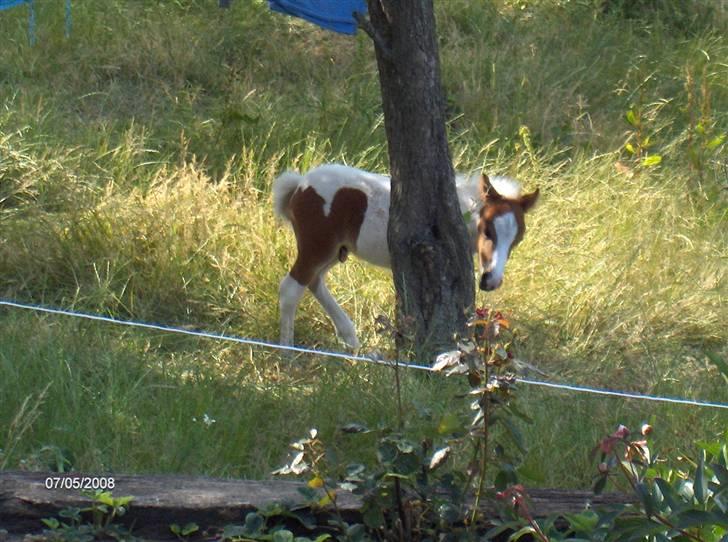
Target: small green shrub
<point>96,521</point>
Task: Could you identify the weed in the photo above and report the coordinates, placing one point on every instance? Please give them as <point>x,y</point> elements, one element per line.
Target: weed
<point>102,513</point>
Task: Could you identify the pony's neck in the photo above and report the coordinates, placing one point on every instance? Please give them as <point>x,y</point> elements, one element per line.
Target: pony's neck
<point>468,188</point>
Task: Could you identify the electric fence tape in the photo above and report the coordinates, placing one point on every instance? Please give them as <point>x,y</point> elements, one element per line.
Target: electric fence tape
<point>341,355</point>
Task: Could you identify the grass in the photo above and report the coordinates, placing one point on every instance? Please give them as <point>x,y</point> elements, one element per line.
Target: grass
<point>134,181</point>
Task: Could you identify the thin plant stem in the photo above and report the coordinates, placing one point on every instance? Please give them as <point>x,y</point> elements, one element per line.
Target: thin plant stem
<point>400,413</point>
<point>484,441</point>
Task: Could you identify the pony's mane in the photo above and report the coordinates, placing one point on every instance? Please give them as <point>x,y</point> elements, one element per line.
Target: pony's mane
<point>469,186</point>
<point>506,187</point>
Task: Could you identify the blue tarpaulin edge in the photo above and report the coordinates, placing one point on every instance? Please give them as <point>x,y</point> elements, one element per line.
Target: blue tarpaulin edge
<point>336,15</point>
<point>7,4</point>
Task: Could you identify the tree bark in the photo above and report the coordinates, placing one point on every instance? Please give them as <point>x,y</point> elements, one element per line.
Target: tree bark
<point>431,262</point>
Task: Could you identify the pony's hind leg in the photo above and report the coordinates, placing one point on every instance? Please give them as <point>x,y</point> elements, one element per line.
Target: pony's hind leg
<point>290,293</point>
<point>345,329</point>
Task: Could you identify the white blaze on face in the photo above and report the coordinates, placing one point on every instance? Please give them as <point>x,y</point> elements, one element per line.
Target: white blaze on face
<point>506,229</point>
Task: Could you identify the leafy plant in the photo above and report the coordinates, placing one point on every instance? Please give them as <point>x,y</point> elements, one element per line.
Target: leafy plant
<point>91,522</point>
<point>275,524</point>
<point>184,532</point>
<point>687,501</point>
<point>409,494</point>
<point>704,139</point>
<point>485,359</point>
<point>639,141</point>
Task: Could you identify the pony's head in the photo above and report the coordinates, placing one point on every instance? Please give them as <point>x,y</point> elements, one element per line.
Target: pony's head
<point>500,228</point>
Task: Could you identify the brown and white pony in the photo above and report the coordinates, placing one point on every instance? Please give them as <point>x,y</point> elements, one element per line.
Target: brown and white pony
<point>336,210</point>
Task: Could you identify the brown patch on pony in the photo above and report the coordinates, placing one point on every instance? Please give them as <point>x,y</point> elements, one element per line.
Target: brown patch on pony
<point>322,239</point>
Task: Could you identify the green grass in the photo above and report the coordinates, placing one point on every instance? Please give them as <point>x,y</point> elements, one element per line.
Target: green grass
<point>136,161</point>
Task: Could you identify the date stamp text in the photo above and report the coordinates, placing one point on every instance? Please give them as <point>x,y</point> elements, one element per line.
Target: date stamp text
<point>83,483</point>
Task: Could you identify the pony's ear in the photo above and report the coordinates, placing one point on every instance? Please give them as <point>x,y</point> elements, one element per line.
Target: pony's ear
<point>486,189</point>
<point>529,200</point>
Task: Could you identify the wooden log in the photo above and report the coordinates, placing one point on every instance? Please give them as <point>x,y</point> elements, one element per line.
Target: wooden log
<point>162,500</point>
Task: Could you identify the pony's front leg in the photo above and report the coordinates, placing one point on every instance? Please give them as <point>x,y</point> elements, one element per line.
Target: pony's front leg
<point>344,327</point>
<point>289,294</point>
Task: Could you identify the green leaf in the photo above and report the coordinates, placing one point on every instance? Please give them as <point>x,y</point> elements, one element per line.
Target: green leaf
<point>119,502</point>
<point>700,486</point>
<point>501,528</point>
<point>512,408</point>
<point>355,472</point>
<point>520,533</point>
<point>505,478</point>
<point>304,517</point>
<point>449,423</point>
<point>585,522</point>
<point>386,452</point>
<point>357,532</point>
<point>73,513</point>
<point>190,528</point>
<point>104,497</point>
<point>407,464</point>
<point>651,160</point>
<point>717,141</point>
<point>630,148</point>
<point>670,496</point>
<point>685,490</point>
<point>373,515</point>
<point>308,493</point>
<point>51,523</point>
<point>698,518</point>
<point>283,535</point>
<point>233,531</point>
<point>354,428</point>
<point>646,498</point>
<point>254,524</point>
<point>515,433</point>
<point>635,528</point>
<point>631,117</point>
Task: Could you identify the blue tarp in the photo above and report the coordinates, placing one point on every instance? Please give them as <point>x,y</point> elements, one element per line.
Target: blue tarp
<point>336,15</point>
<point>6,4</point>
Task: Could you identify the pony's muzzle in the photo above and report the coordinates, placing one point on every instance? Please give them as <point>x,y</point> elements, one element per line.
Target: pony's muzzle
<point>488,282</point>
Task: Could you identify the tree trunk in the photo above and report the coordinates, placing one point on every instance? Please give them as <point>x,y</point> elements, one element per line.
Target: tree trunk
<point>431,261</point>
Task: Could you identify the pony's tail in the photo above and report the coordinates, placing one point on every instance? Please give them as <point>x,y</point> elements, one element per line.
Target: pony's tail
<point>283,188</point>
